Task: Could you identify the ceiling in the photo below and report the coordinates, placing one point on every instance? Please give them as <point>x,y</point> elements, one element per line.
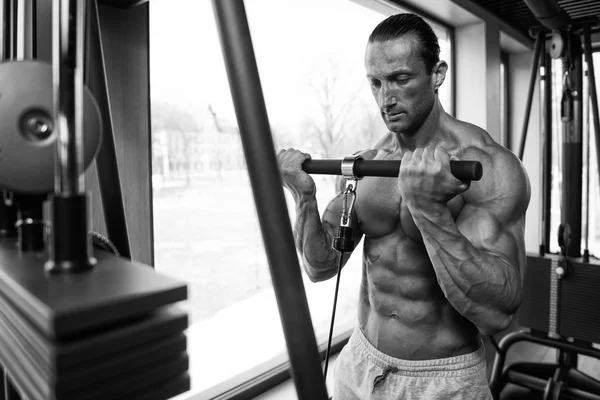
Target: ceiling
<point>518,15</point>
<point>512,12</point>
<point>515,17</point>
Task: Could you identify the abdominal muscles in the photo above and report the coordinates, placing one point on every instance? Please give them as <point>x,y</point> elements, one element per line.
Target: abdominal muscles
<point>402,309</point>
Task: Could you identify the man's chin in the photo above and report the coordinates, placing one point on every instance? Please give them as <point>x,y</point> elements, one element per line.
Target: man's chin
<point>397,127</point>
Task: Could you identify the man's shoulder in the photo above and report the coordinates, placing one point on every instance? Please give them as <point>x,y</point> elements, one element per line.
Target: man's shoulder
<point>475,143</point>
<point>504,182</point>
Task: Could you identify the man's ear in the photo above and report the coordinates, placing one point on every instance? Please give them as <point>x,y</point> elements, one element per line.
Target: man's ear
<point>439,74</point>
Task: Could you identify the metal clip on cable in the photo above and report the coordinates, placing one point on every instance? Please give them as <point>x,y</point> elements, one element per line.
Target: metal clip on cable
<point>566,102</point>
<point>344,242</point>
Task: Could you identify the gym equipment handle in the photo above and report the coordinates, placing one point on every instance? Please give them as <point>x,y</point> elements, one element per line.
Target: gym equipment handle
<point>463,170</point>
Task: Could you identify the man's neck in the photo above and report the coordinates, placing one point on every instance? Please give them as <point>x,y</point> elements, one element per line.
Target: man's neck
<point>430,133</point>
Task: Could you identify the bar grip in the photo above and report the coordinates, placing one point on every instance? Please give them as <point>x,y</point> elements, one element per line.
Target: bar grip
<point>463,170</point>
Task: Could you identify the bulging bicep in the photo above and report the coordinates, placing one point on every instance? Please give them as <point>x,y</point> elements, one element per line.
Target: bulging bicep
<point>495,234</point>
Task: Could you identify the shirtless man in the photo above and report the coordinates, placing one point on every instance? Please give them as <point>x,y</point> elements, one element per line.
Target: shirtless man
<point>442,257</point>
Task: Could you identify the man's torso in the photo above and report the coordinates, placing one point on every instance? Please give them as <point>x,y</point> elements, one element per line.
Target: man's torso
<point>402,309</point>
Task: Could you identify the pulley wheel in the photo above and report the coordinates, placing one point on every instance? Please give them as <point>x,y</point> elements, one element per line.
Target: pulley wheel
<point>27,129</point>
<point>557,45</point>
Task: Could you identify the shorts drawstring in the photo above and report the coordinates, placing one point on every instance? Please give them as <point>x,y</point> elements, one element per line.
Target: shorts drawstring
<point>379,379</point>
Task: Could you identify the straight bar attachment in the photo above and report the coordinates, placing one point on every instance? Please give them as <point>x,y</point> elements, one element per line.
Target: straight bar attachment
<point>269,198</point>
<point>463,170</point>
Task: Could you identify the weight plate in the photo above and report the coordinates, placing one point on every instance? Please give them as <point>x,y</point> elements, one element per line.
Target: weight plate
<point>27,128</point>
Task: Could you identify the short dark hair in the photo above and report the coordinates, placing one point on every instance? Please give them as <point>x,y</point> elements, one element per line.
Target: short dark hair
<point>399,25</point>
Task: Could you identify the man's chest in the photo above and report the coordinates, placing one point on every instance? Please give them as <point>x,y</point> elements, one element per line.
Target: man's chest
<point>381,210</point>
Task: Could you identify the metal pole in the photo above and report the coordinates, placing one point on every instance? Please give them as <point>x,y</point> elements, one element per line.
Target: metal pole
<point>68,46</point>
<point>12,37</point>
<point>20,18</point>
<point>269,198</point>
<point>539,41</point>
<point>545,149</point>
<point>71,244</point>
<point>592,88</point>
<point>547,155</point>
<point>573,152</point>
<point>4,29</point>
<point>107,166</point>
<point>8,212</point>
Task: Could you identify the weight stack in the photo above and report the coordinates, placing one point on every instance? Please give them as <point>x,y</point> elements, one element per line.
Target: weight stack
<point>113,332</point>
<point>567,307</point>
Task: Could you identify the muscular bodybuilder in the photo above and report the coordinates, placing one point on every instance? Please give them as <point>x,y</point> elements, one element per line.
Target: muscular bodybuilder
<point>442,257</point>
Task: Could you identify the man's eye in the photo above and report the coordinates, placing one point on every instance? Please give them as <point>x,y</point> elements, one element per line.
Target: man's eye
<point>375,84</point>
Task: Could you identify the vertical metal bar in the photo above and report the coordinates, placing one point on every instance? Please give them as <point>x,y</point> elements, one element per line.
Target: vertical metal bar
<point>24,16</point>
<point>586,219</point>
<point>4,29</point>
<point>539,41</point>
<point>68,46</point>
<point>20,18</point>
<point>32,31</point>
<point>107,167</point>
<point>592,87</point>
<point>573,154</point>
<point>70,242</point>
<point>547,156</point>
<point>543,143</point>
<point>12,38</point>
<point>269,198</point>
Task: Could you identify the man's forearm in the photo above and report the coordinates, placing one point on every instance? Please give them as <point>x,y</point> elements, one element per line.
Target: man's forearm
<point>482,287</point>
<point>313,241</point>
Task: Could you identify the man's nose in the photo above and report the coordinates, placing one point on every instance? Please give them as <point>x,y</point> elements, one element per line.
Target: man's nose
<point>388,102</point>
<point>388,98</point>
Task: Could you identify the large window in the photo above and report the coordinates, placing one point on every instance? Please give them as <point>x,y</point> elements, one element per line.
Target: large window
<point>310,59</point>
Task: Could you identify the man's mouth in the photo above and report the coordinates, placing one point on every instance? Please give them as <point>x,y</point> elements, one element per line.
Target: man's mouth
<point>395,116</point>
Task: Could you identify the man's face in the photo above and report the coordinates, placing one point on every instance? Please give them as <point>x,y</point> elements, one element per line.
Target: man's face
<point>402,86</point>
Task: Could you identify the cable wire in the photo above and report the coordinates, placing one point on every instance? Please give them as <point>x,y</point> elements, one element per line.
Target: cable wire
<point>335,296</point>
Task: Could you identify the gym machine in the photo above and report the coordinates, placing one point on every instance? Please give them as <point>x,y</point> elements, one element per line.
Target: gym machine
<point>75,322</point>
<point>560,291</point>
